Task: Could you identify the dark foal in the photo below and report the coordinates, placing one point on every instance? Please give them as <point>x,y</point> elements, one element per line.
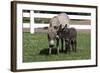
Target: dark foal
<point>69,36</point>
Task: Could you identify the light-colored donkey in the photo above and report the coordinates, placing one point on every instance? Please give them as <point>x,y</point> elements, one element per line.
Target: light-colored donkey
<point>52,34</point>
<point>57,23</point>
<point>63,20</point>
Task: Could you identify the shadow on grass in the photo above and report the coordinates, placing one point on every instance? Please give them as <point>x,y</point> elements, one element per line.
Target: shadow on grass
<point>45,51</point>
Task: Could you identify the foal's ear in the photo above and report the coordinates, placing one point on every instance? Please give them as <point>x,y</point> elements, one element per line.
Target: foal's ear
<point>60,26</point>
<point>65,25</point>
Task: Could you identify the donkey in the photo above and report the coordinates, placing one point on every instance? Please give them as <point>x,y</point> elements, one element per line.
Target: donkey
<point>52,38</point>
<point>58,22</point>
<point>63,19</point>
<point>70,38</point>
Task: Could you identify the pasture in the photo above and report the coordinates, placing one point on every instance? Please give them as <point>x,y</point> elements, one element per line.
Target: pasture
<point>35,48</point>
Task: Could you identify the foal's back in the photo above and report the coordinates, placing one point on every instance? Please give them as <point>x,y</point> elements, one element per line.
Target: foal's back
<point>72,33</point>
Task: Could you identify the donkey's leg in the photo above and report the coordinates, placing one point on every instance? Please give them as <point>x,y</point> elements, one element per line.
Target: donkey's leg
<point>49,50</point>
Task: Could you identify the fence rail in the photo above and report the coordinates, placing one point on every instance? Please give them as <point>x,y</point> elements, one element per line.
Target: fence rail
<point>33,25</point>
<point>27,25</point>
<point>41,15</point>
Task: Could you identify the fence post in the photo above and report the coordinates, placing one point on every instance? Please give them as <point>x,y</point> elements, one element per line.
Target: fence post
<point>32,22</point>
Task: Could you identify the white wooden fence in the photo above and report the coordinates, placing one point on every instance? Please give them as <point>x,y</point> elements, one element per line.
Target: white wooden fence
<point>33,25</point>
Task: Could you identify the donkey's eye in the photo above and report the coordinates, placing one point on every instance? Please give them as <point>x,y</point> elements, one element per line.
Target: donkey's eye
<point>55,27</point>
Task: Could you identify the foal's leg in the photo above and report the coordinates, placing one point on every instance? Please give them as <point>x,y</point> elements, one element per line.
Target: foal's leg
<point>62,47</point>
<point>67,46</point>
<point>72,45</point>
<point>75,45</point>
<point>57,45</point>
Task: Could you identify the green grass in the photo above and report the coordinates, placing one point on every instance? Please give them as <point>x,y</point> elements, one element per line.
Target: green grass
<point>35,48</point>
